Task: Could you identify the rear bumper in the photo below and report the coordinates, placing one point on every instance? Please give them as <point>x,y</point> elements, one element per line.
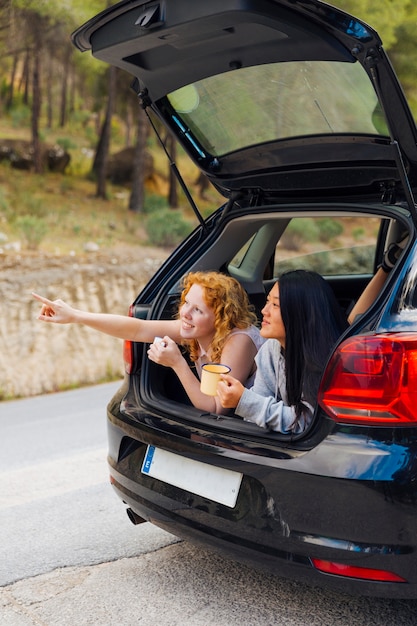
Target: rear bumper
<point>282,519</point>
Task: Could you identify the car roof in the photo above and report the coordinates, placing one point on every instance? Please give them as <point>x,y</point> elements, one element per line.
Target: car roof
<point>277,97</point>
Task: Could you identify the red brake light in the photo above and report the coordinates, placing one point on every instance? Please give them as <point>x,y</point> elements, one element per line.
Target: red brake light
<point>128,349</point>
<point>127,356</point>
<point>372,380</point>
<point>365,573</point>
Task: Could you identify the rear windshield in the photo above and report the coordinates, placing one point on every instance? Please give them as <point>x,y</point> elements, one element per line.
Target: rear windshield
<point>278,101</point>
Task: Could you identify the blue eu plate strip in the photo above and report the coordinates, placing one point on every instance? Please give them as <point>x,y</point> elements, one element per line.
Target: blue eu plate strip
<point>148,459</point>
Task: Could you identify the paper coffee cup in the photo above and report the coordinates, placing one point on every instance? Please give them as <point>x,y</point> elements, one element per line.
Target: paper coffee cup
<point>210,376</point>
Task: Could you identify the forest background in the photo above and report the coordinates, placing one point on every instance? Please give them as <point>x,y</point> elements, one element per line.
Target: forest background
<point>50,93</point>
<point>77,234</point>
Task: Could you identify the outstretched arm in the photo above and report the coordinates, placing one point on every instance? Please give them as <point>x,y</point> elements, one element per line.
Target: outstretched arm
<point>121,326</point>
<point>374,287</point>
<point>369,294</point>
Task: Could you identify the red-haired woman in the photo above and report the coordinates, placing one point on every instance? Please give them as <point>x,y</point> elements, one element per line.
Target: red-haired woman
<point>215,323</point>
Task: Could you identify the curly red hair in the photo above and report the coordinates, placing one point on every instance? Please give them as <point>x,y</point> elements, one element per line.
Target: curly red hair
<point>230,303</point>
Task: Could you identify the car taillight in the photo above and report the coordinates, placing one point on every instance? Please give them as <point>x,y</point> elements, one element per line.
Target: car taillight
<point>128,356</point>
<point>351,571</point>
<point>128,349</point>
<point>372,380</point>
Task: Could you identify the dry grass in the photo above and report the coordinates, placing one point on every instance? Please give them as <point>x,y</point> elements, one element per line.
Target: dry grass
<point>67,208</point>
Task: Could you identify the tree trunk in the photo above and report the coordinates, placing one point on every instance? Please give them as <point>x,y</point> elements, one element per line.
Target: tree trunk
<point>100,160</point>
<point>129,124</point>
<point>72,90</point>
<point>24,83</point>
<point>137,196</point>
<point>10,95</point>
<point>36,106</point>
<point>49,98</point>
<point>64,88</point>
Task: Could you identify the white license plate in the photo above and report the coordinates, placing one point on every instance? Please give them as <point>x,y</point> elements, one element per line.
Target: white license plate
<point>215,483</point>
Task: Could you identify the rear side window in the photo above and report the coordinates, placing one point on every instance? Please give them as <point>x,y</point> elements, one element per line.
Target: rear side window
<point>327,245</point>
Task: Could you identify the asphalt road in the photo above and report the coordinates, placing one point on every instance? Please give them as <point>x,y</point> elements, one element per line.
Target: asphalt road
<point>69,554</point>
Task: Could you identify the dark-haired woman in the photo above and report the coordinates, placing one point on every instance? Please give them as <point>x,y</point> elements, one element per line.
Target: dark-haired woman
<point>301,321</point>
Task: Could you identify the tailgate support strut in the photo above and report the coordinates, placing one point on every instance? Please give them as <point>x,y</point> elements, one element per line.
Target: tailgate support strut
<point>144,104</point>
<point>404,179</point>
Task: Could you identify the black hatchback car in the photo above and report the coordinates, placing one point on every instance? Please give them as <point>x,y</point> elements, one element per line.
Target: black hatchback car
<point>293,112</point>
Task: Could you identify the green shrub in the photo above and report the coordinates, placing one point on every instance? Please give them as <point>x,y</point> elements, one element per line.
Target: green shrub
<point>80,164</point>
<point>66,184</point>
<point>66,143</point>
<point>91,137</point>
<point>4,205</point>
<point>79,118</point>
<point>329,229</point>
<point>20,116</point>
<point>26,204</point>
<point>154,202</point>
<point>298,232</point>
<point>4,88</point>
<point>33,229</point>
<point>166,228</point>
<point>358,233</point>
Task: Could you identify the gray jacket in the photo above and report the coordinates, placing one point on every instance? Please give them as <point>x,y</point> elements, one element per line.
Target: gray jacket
<point>266,402</point>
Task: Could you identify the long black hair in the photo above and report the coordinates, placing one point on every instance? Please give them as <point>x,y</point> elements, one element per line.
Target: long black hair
<point>313,321</point>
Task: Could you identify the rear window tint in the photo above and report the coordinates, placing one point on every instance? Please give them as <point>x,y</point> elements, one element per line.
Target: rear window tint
<point>329,246</point>
<point>259,104</point>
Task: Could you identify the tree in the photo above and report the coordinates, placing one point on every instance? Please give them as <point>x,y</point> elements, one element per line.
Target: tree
<point>102,152</point>
<point>395,21</point>
<point>41,69</point>
<point>385,16</point>
<point>404,54</point>
<point>36,91</point>
<point>137,196</point>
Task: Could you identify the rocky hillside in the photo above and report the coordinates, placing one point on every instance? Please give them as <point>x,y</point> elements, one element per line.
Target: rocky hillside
<point>36,357</point>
